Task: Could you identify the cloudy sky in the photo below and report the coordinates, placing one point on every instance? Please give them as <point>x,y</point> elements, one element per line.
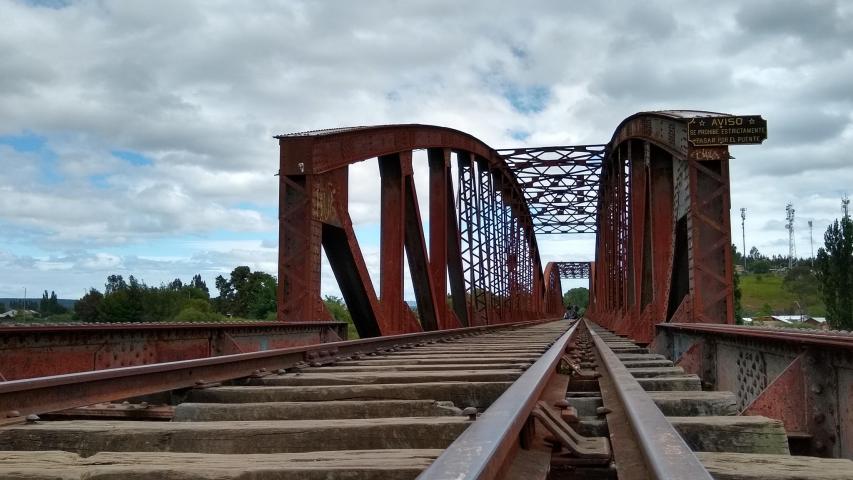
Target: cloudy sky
<point>135,137</point>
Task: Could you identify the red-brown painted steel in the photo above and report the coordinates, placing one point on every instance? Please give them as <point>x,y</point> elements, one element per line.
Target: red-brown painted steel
<point>19,398</point>
<point>482,240</point>
<point>785,399</point>
<point>41,350</point>
<point>663,245</point>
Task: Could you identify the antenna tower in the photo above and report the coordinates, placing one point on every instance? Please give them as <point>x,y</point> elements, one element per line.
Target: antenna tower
<point>811,240</point>
<point>845,206</point>
<point>743,232</point>
<point>792,251</point>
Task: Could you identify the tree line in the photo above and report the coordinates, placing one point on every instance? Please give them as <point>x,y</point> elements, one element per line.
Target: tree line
<point>828,277</point>
<point>244,294</point>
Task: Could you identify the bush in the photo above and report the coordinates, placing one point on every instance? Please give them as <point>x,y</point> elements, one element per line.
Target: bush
<point>193,315</point>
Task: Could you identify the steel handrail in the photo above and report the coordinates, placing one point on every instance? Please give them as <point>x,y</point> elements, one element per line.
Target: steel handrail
<point>666,454</point>
<point>819,338</point>
<point>60,392</point>
<point>482,448</point>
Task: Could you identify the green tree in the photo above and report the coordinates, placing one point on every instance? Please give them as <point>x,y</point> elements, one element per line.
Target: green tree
<point>738,294</point>
<point>2,307</point>
<point>200,284</point>
<point>834,265</point>
<point>246,293</point>
<point>88,308</point>
<point>577,296</point>
<point>338,309</point>
<point>49,305</point>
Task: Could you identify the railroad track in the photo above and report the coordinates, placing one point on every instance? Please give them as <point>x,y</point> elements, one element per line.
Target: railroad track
<point>546,400</point>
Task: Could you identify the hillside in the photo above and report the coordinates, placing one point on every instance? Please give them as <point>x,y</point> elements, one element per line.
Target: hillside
<point>764,294</point>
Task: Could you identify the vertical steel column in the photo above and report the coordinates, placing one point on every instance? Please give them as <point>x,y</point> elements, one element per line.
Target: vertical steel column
<point>708,222</point>
<point>396,314</point>
<point>302,201</point>
<point>440,208</point>
<point>416,252</point>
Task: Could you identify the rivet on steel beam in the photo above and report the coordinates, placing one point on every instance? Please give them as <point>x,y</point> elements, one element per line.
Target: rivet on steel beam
<point>13,414</point>
<point>602,410</point>
<point>32,418</point>
<point>561,404</point>
<point>470,412</point>
<point>816,389</point>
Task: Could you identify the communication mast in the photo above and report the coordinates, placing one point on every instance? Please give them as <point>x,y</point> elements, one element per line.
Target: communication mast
<point>743,232</point>
<point>845,206</point>
<point>789,215</point>
<point>811,241</point>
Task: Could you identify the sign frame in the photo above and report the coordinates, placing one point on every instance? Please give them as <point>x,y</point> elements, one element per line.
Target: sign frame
<point>723,130</point>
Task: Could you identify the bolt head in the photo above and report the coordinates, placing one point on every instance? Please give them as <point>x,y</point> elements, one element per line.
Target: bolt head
<point>470,412</point>
<point>32,418</point>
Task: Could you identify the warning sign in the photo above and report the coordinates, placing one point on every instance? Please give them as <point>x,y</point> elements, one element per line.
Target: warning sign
<point>729,130</point>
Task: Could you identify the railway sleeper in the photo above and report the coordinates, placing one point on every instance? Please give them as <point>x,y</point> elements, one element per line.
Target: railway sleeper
<point>388,464</point>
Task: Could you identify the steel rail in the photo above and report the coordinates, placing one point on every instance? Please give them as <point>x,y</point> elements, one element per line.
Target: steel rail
<point>665,453</point>
<point>60,392</point>
<point>805,338</point>
<point>482,448</point>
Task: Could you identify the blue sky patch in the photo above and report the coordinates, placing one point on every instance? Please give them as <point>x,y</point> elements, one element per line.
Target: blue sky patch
<point>55,4</point>
<point>100,181</point>
<point>133,158</point>
<point>27,142</point>
<point>520,135</point>
<point>527,99</point>
<point>37,146</point>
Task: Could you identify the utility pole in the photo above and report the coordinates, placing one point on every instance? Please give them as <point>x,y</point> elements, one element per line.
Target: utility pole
<point>811,241</point>
<point>743,232</point>
<point>789,215</point>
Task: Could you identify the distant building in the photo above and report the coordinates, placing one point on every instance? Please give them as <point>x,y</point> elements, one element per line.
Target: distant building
<point>17,313</point>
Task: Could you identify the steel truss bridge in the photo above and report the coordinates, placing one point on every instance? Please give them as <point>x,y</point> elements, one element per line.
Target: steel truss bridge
<point>482,381</point>
<point>658,205</point>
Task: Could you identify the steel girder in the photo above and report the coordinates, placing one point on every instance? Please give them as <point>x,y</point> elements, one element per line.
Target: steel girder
<point>481,239</point>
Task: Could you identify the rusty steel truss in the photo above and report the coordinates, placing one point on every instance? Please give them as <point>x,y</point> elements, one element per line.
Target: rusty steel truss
<point>479,264</point>
<point>575,270</point>
<point>560,185</point>
<point>663,250</point>
<point>659,207</point>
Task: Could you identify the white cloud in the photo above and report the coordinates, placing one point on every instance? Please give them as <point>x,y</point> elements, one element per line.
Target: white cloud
<point>199,88</point>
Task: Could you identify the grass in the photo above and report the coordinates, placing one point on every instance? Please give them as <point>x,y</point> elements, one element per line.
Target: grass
<point>760,291</point>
